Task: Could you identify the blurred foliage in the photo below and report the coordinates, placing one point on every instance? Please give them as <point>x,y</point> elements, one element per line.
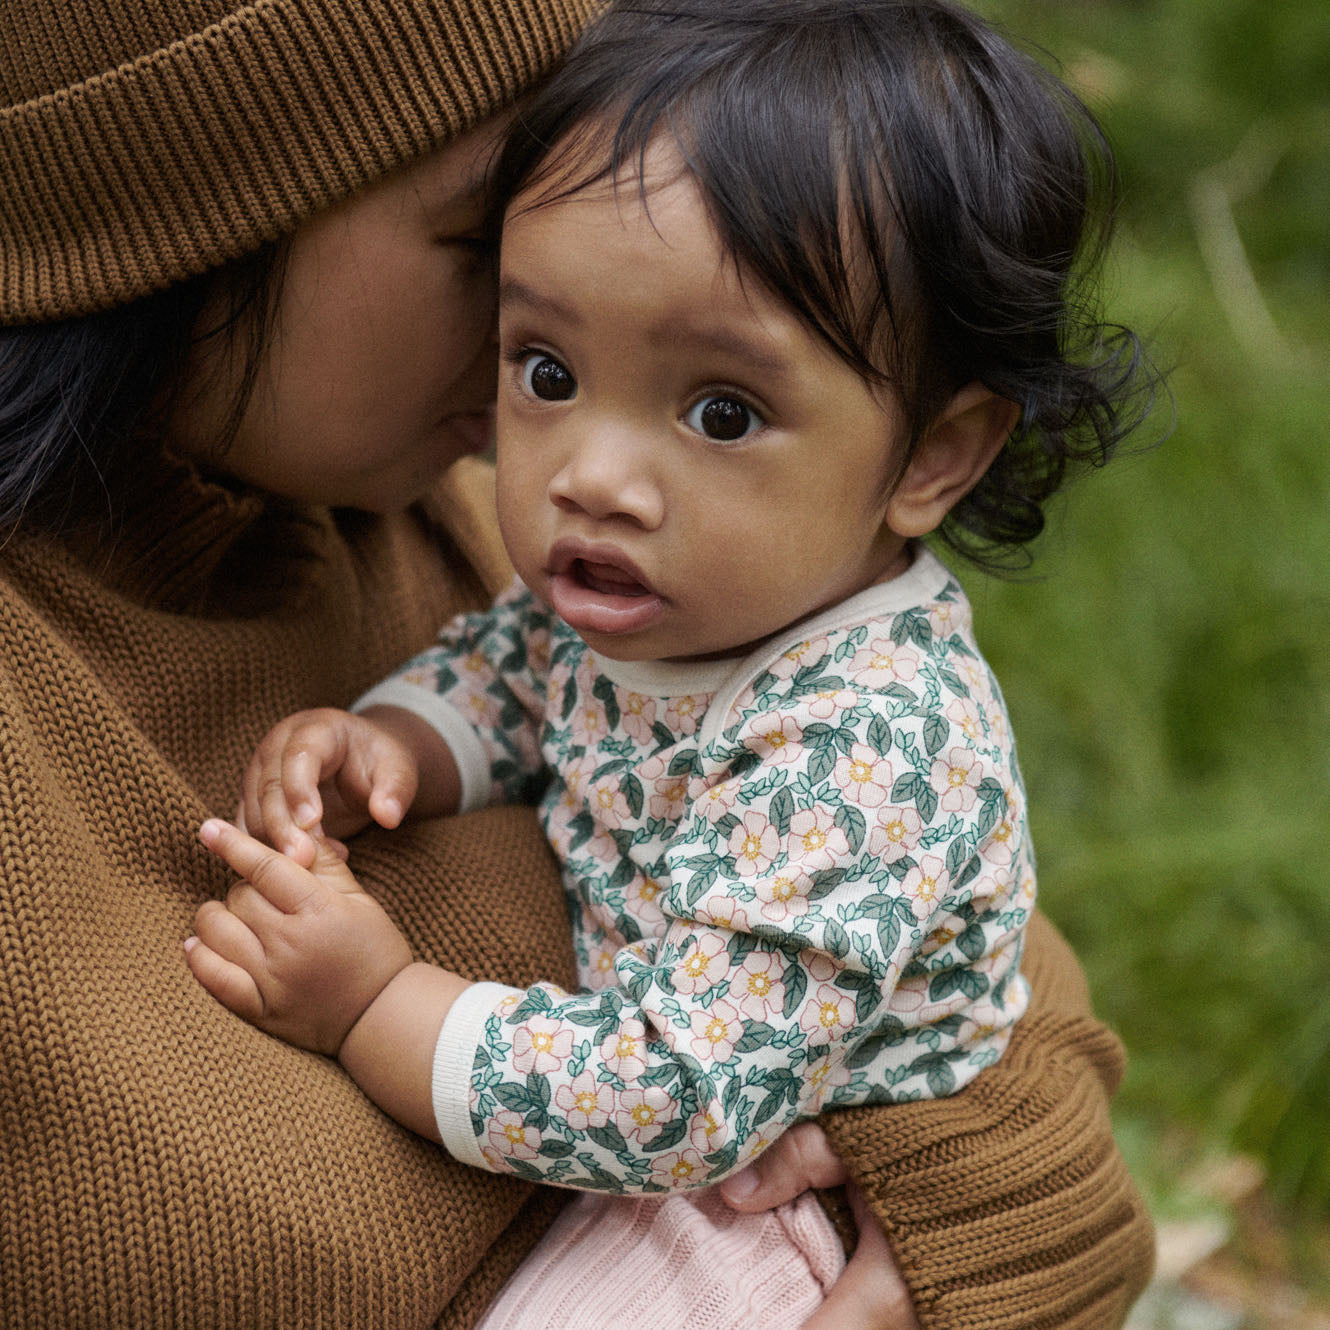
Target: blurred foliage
<point>1168,666</point>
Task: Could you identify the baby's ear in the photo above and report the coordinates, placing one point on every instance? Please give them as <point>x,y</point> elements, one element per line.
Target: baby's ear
<point>958,448</point>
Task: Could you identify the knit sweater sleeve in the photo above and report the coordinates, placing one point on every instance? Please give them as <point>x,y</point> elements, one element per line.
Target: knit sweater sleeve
<point>1008,1205</point>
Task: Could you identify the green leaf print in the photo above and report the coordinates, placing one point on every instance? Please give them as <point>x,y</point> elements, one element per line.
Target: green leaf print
<point>796,985</point>
<point>603,691</point>
<point>632,792</point>
<point>851,821</point>
<point>936,730</point>
<point>879,735</point>
<point>781,810</point>
<point>608,1137</point>
<point>913,788</point>
<point>971,942</point>
<point>757,1035</point>
<point>671,1134</point>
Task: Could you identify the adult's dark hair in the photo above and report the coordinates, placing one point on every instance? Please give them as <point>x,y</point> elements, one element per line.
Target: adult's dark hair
<point>927,197</point>
<point>77,396</point>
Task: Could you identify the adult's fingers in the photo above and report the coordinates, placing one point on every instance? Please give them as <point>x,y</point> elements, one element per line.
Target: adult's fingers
<point>799,1159</point>
<point>871,1293</point>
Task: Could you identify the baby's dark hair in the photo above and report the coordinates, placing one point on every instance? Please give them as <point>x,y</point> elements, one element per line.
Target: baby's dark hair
<point>927,197</point>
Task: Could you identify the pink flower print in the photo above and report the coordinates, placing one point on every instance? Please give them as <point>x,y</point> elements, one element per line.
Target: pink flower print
<point>826,704</point>
<point>794,658</point>
<point>815,841</point>
<point>956,777</point>
<point>541,1045</point>
<point>708,1132</point>
<point>480,708</point>
<point>420,675</point>
<point>476,669</point>
<point>510,1138</point>
<point>997,722</point>
<point>883,662</point>
<point>819,965</point>
<point>556,682</point>
<point>587,723</point>
<point>600,970</point>
<point>702,965</point>
<point>584,1103</point>
<point>607,803</point>
<point>669,798</point>
<point>644,906</point>
<point>683,714</point>
<point>945,618</point>
<point>754,844</point>
<point>964,714</point>
<point>823,1075</point>
<point>894,833</point>
<point>924,884</point>
<point>998,850</point>
<point>827,1015</point>
<point>624,1051</point>
<point>783,894</point>
<point>716,799</point>
<point>758,988</point>
<point>1025,891</point>
<point>722,911</point>
<point>638,715</point>
<point>715,1032</point>
<point>777,740</point>
<point>642,1114</point>
<point>864,776</point>
<point>678,1169</point>
<point>577,775</point>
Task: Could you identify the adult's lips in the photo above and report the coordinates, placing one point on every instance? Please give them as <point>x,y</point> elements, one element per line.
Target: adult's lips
<point>474,430</point>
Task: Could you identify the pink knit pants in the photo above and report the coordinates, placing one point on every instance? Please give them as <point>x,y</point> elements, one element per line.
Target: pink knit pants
<point>680,1262</point>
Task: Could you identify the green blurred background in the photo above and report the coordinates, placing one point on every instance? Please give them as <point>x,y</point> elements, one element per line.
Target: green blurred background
<point>1168,663</point>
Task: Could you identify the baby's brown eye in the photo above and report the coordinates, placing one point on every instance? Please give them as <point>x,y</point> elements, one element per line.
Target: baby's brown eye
<point>725,419</point>
<point>546,378</point>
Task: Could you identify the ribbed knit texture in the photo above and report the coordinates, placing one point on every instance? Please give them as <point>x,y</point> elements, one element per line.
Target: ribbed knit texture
<point>1007,1207</point>
<point>686,1262</point>
<point>143,141</point>
<point>163,1164</point>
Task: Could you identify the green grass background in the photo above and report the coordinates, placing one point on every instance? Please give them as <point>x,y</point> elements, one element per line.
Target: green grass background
<point>1168,666</point>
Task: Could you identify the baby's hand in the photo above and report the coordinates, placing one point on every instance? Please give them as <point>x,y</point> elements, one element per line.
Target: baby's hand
<point>301,953</point>
<point>325,773</point>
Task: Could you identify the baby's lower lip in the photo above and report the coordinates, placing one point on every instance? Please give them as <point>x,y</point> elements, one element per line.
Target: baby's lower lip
<point>601,598</point>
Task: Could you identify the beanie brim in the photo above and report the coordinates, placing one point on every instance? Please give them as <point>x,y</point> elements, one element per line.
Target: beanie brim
<point>202,151</point>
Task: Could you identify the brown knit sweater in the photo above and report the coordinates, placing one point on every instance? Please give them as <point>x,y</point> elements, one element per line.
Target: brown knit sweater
<point>168,1165</point>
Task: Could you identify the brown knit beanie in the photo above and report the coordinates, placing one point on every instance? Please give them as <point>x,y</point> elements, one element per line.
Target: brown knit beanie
<point>144,141</point>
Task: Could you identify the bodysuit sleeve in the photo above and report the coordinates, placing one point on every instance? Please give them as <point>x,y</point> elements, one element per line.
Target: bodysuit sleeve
<point>481,687</point>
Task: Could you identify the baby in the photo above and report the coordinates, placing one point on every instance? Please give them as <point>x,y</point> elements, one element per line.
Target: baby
<point>786,286</point>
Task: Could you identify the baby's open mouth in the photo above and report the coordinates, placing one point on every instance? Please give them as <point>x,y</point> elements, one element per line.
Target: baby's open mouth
<point>607,578</point>
<point>595,591</point>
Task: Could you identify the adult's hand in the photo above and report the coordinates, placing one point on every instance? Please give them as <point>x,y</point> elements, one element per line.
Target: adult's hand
<point>870,1294</point>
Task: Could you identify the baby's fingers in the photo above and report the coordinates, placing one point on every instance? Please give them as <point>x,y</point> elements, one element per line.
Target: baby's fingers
<point>278,879</point>
<point>231,984</point>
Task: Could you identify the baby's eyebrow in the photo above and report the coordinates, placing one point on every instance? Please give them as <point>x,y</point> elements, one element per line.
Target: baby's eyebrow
<point>512,292</point>
<point>725,341</point>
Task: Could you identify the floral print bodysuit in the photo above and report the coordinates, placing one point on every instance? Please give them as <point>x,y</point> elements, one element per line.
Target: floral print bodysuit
<point>795,880</point>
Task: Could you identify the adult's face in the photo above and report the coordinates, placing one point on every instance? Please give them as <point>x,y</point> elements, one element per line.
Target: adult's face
<point>380,370</point>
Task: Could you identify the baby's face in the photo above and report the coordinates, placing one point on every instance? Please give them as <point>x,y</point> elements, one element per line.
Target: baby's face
<point>684,468</point>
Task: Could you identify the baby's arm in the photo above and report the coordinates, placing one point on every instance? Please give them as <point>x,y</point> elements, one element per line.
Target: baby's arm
<point>330,773</point>
<point>308,956</point>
